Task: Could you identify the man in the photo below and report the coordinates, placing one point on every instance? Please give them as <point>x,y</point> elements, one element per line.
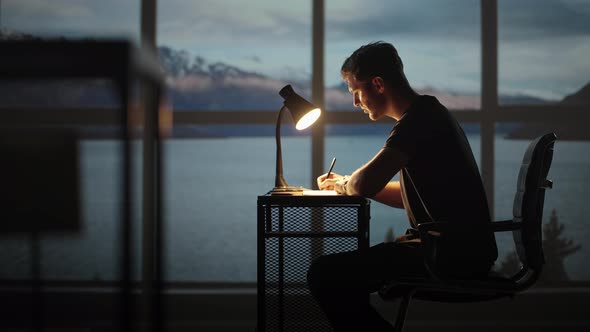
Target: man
<point>439,181</point>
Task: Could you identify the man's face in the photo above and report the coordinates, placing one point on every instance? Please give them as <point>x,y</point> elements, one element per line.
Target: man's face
<point>366,96</point>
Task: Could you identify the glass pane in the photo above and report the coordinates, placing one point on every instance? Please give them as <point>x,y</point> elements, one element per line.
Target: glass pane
<point>58,94</point>
<point>565,204</point>
<point>355,148</point>
<point>543,51</point>
<point>226,55</point>
<point>93,251</point>
<point>70,18</point>
<point>211,186</point>
<point>438,41</point>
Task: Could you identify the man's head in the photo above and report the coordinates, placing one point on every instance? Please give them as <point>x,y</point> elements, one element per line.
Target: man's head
<point>375,75</point>
<point>377,59</point>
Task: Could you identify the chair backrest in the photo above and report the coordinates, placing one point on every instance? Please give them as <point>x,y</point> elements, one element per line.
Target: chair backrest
<point>529,200</point>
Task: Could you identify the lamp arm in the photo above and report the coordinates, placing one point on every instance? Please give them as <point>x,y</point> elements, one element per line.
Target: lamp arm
<point>279,180</point>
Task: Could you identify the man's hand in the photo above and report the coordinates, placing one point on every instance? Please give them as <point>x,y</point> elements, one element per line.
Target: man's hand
<point>325,183</point>
<point>340,185</point>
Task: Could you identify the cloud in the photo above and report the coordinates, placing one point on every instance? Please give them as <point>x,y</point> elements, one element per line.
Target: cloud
<point>544,67</point>
<point>234,21</point>
<point>253,58</point>
<point>190,83</point>
<point>240,22</point>
<point>542,19</point>
<point>72,18</point>
<point>255,83</point>
<point>42,8</point>
<point>399,18</point>
<point>457,19</point>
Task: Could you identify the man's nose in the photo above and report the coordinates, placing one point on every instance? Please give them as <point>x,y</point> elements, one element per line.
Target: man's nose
<point>356,102</point>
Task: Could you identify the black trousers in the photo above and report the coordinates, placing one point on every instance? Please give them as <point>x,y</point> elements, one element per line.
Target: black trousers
<point>341,282</point>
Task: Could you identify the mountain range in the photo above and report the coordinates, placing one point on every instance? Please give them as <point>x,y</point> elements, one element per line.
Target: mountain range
<point>196,84</point>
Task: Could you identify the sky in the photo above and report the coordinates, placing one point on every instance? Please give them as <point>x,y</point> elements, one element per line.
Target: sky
<point>544,45</point>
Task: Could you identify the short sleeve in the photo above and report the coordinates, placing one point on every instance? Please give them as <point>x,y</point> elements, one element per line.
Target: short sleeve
<point>417,130</point>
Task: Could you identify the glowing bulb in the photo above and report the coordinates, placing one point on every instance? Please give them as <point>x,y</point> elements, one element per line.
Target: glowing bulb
<point>308,119</point>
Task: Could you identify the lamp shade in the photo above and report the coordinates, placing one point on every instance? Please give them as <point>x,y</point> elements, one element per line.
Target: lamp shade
<point>303,112</point>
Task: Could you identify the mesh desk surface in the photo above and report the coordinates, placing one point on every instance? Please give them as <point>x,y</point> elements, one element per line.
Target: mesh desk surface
<point>292,232</point>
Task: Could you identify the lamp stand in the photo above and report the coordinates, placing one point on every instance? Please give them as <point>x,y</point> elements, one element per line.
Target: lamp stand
<point>281,186</point>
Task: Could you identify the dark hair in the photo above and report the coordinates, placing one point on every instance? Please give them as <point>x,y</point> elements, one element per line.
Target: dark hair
<point>375,59</point>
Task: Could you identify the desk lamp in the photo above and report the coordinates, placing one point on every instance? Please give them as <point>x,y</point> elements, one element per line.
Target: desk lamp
<point>304,114</point>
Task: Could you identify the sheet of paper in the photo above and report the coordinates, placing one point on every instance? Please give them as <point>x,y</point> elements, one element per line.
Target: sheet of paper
<point>319,193</point>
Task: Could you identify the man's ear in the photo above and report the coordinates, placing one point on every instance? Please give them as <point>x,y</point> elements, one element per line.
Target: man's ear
<point>378,84</point>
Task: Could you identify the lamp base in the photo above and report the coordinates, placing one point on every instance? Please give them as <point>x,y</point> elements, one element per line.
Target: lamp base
<point>288,190</point>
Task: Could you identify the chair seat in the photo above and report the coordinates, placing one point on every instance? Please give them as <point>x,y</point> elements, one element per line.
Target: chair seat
<point>452,290</point>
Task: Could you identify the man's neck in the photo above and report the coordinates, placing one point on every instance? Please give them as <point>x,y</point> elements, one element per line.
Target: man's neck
<point>402,102</point>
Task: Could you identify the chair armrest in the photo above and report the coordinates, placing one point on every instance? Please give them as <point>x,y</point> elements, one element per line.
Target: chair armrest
<point>430,233</point>
<point>428,230</point>
<point>452,249</point>
<point>505,225</point>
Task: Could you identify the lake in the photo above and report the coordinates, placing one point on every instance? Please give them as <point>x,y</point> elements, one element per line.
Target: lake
<point>210,191</point>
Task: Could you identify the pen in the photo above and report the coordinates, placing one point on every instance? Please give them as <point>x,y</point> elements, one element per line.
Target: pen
<point>331,167</point>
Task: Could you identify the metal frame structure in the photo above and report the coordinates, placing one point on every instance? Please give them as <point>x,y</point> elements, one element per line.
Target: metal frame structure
<point>284,223</point>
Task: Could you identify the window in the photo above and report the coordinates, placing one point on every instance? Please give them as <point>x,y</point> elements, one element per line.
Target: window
<point>543,51</point>
<point>211,188</point>
<point>93,253</point>
<point>71,18</point>
<point>565,203</point>
<point>231,57</point>
<point>227,55</point>
<point>543,73</point>
<point>225,63</point>
<point>439,44</point>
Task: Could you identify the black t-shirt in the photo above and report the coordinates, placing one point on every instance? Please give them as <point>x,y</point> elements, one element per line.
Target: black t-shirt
<point>441,181</point>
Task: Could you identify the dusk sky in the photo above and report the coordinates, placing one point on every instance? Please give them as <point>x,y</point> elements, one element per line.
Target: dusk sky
<point>544,45</point>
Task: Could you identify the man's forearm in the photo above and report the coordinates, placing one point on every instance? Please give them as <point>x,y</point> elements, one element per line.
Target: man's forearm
<point>390,195</point>
<point>371,179</point>
<point>351,185</point>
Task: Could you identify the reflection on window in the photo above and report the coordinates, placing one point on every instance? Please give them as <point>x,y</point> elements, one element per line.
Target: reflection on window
<point>227,56</point>
<point>543,52</point>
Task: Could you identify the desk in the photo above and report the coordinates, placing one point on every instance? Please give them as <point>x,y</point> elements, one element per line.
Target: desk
<point>292,232</point>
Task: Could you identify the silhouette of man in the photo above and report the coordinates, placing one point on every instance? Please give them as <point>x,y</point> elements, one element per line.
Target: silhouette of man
<point>438,181</point>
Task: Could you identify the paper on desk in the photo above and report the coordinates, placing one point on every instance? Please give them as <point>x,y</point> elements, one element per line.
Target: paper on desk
<point>319,193</point>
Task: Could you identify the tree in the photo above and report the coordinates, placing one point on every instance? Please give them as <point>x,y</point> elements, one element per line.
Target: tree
<point>555,247</point>
<point>389,236</point>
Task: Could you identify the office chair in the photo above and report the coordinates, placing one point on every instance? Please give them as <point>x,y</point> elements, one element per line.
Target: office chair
<point>526,227</point>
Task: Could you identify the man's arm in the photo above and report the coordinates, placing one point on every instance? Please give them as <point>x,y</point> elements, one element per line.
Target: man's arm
<point>371,180</point>
<point>390,195</point>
